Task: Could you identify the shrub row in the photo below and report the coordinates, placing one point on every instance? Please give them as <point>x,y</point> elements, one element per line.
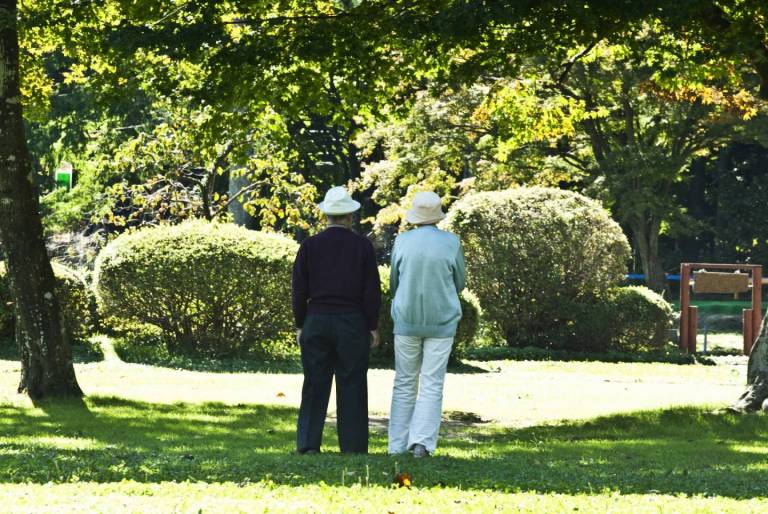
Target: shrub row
<point>212,288</point>
<point>215,289</point>
<point>627,319</point>
<point>544,264</point>
<point>75,298</point>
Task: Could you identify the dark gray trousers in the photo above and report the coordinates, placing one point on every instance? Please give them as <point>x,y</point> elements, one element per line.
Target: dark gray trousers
<point>334,344</point>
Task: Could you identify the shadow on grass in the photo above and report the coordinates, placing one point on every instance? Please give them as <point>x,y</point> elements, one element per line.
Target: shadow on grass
<point>291,363</point>
<point>455,365</point>
<point>530,353</point>
<point>679,451</point>
<point>267,363</point>
<point>81,353</point>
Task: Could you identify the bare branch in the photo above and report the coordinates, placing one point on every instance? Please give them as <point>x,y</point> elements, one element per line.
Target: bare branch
<point>575,161</point>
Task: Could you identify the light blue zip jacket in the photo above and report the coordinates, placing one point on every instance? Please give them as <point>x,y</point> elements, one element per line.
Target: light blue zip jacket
<point>426,277</point>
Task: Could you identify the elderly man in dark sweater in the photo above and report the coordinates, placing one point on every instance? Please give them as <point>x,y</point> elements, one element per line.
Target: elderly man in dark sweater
<point>336,300</point>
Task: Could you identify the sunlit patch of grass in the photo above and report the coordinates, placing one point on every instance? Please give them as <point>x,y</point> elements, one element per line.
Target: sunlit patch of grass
<point>148,451</point>
<point>264,496</point>
<point>680,451</point>
<point>724,342</point>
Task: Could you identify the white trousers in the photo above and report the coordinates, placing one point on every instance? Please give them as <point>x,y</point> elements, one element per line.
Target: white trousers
<point>417,396</point>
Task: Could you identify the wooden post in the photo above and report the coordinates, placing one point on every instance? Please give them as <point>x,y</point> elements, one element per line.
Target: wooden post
<point>752,318</point>
<point>748,327</point>
<point>757,305</point>
<point>693,319</point>
<point>685,278</point>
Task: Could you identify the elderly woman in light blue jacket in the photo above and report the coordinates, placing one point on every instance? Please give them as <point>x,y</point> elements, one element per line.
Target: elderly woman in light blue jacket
<point>426,278</point>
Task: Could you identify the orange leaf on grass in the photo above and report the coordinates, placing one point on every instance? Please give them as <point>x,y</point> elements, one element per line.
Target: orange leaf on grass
<point>403,480</point>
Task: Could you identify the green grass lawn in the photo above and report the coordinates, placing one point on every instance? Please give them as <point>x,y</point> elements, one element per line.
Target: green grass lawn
<point>727,342</point>
<point>724,306</point>
<point>722,321</point>
<point>150,439</point>
<point>136,450</point>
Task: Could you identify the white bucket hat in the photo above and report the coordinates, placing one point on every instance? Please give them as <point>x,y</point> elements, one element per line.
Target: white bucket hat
<point>337,202</point>
<point>425,209</point>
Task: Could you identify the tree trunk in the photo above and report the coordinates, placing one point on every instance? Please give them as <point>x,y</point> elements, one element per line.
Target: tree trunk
<point>646,234</point>
<point>756,395</point>
<point>239,215</point>
<point>46,367</point>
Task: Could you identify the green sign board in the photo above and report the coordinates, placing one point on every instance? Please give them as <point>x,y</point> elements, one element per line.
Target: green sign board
<point>64,176</point>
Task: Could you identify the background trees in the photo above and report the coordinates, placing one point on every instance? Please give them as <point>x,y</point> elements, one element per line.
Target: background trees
<point>639,133</point>
<point>174,110</point>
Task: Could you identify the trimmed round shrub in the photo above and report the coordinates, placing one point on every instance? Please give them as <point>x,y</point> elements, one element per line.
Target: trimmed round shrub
<point>75,299</point>
<point>626,319</point>
<point>533,255</point>
<point>466,331</point>
<point>213,288</point>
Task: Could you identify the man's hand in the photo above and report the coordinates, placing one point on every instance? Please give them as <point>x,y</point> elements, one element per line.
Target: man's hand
<point>374,338</point>
<point>298,337</point>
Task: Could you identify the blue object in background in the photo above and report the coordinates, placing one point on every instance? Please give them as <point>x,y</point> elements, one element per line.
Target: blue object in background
<point>641,276</point>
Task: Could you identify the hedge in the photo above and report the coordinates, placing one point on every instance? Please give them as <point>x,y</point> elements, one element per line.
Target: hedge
<point>534,255</point>
<point>75,299</point>
<point>626,319</point>
<point>211,287</point>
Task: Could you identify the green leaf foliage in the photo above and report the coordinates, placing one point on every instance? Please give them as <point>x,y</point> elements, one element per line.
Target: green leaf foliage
<point>532,253</point>
<point>624,319</point>
<point>75,298</point>
<point>211,287</point>
<point>184,168</point>
<point>487,136</point>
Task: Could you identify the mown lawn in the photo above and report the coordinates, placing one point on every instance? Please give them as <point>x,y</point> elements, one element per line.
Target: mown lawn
<point>146,452</point>
<point>726,306</point>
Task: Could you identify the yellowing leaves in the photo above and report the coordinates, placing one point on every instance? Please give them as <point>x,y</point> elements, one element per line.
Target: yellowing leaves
<point>524,115</point>
<point>739,102</point>
<point>36,90</point>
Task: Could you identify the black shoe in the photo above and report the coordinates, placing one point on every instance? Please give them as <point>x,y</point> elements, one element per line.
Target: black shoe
<point>419,451</point>
<point>309,451</point>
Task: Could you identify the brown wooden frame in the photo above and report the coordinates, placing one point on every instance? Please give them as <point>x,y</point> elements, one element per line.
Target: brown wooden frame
<point>752,318</point>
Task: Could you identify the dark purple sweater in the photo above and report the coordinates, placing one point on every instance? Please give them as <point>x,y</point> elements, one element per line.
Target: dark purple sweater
<point>335,272</point>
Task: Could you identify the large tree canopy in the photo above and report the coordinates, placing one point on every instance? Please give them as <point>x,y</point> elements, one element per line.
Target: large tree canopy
<point>178,108</point>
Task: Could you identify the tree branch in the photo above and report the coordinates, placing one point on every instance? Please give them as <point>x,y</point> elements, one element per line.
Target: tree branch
<point>574,161</point>
<point>568,65</point>
<point>277,20</point>
<point>174,11</point>
<point>246,189</point>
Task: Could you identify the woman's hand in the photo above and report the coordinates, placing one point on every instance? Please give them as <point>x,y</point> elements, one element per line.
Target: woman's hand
<point>374,339</point>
